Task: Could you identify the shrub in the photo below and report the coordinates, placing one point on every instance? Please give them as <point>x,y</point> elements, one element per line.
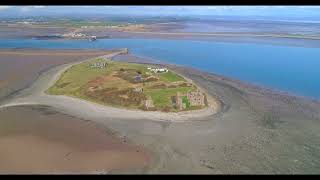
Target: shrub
<point>186,101</point>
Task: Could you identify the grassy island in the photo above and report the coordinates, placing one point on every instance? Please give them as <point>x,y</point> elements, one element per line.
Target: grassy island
<point>130,85</point>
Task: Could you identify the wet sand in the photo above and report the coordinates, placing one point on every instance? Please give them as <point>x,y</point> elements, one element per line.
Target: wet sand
<point>19,67</point>
<point>35,94</point>
<point>169,31</point>
<point>257,131</point>
<point>38,139</point>
<point>27,31</point>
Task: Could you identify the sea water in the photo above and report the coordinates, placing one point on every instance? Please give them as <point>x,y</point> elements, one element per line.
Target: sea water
<point>292,69</point>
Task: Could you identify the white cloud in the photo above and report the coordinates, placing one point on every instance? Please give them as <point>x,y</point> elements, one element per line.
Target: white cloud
<point>25,9</point>
<point>38,7</point>
<point>4,7</point>
<point>29,8</point>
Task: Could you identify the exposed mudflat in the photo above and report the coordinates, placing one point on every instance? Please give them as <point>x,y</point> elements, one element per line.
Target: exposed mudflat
<point>20,67</point>
<point>29,31</point>
<point>256,131</point>
<point>38,139</point>
<point>175,30</point>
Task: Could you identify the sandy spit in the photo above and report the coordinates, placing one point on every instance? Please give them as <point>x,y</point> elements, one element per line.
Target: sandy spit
<point>257,131</point>
<point>36,95</point>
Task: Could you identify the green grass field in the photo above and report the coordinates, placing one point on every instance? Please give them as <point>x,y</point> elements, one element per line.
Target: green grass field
<point>77,76</point>
<point>76,80</point>
<point>79,23</point>
<point>162,97</point>
<point>171,77</point>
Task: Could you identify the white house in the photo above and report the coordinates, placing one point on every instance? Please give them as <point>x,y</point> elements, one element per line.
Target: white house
<point>158,70</point>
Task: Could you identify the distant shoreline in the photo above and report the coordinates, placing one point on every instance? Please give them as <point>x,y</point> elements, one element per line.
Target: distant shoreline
<point>231,34</point>
<point>308,42</point>
<point>189,34</point>
<point>157,31</point>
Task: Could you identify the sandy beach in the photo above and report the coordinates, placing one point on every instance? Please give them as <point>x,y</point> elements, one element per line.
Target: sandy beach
<point>20,67</point>
<point>36,95</point>
<point>256,130</point>
<point>48,137</point>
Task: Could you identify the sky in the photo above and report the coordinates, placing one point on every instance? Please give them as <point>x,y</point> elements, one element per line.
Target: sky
<point>300,12</point>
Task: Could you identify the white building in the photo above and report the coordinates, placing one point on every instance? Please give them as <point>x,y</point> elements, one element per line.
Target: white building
<point>99,65</point>
<point>158,70</point>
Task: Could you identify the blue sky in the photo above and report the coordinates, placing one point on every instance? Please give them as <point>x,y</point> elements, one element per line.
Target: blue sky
<point>269,11</point>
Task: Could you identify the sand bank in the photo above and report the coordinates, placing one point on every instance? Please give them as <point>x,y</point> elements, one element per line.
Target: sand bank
<point>75,105</point>
<point>257,131</point>
<point>20,67</point>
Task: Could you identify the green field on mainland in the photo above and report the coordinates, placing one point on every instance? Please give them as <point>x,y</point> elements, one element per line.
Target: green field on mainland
<point>115,84</point>
<point>80,22</point>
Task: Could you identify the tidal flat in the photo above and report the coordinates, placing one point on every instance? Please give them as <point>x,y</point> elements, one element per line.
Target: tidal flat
<point>20,67</point>
<point>257,131</point>
<point>40,140</point>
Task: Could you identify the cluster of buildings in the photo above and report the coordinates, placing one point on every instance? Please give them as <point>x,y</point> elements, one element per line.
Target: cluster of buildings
<point>99,65</point>
<point>96,26</point>
<point>195,98</point>
<point>80,36</point>
<point>75,35</point>
<point>158,70</point>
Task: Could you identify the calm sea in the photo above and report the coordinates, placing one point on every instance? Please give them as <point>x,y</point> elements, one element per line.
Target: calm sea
<point>287,68</point>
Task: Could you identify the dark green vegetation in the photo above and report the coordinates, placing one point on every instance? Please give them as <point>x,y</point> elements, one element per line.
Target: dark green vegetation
<point>186,101</point>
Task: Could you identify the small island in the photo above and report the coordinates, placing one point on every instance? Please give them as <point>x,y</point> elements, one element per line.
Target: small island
<point>130,85</point>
